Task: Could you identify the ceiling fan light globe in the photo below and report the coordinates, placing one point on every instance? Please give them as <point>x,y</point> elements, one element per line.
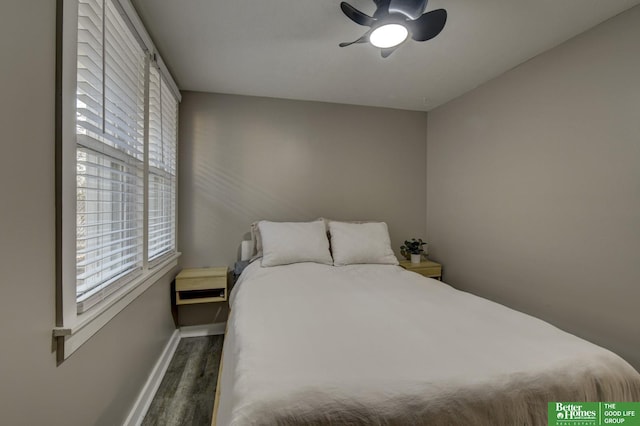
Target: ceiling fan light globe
<point>388,35</point>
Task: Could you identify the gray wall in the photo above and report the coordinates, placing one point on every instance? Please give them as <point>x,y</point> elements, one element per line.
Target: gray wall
<point>533,187</point>
<point>100,382</point>
<point>244,159</point>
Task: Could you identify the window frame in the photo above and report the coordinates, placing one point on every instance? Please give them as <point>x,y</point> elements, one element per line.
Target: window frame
<point>72,329</point>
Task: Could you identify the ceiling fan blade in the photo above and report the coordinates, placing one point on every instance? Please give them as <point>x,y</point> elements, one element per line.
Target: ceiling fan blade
<point>382,9</point>
<point>382,4</point>
<point>356,16</point>
<point>362,39</point>
<point>428,25</point>
<point>412,9</point>
<point>386,52</point>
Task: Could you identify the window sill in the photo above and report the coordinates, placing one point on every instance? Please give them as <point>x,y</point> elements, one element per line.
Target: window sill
<point>72,336</point>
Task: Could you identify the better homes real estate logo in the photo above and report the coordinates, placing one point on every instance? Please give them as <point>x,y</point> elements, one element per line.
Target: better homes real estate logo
<point>593,413</point>
<point>569,413</point>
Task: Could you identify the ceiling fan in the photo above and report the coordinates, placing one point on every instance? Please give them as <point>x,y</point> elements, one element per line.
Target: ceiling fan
<point>394,21</point>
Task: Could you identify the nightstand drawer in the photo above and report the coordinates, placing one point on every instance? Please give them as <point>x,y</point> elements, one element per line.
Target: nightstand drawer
<point>191,297</point>
<point>428,272</point>
<point>200,283</point>
<point>426,268</point>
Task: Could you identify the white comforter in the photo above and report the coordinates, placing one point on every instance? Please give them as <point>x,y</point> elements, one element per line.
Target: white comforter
<point>375,344</point>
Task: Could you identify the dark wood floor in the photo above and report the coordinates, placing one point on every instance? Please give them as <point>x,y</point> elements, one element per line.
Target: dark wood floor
<point>187,391</point>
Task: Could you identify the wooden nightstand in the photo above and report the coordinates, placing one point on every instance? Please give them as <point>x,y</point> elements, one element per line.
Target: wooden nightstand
<point>426,267</point>
<point>201,285</point>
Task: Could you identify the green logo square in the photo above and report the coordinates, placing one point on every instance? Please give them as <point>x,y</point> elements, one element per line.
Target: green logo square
<point>593,413</point>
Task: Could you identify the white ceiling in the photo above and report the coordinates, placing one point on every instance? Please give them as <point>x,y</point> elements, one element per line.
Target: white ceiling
<point>289,48</point>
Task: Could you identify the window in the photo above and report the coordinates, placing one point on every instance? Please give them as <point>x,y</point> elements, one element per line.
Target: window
<point>117,142</point>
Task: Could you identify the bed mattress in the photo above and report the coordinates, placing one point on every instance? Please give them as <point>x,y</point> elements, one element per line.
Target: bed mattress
<point>311,344</point>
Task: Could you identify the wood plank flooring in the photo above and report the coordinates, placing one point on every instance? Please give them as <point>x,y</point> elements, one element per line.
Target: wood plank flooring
<point>186,394</point>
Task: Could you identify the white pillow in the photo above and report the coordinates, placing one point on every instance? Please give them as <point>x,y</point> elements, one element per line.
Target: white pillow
<point>361,243</point>
<point>257,238</point>
<point>284,243</point>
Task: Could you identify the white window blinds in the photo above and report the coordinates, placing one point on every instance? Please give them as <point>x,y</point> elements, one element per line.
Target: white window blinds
<point>110,102</point>
<point>163,111</point>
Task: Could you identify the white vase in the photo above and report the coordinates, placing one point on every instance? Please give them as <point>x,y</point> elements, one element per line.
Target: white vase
<point>415,258</point>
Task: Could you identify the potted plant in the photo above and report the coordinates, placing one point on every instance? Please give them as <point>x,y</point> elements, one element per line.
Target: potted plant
<point>413,249</point>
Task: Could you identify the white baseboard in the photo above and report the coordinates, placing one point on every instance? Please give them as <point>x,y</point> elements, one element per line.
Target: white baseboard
<point>203,330</point>
<point>139,410</point>
<point>143,402</point>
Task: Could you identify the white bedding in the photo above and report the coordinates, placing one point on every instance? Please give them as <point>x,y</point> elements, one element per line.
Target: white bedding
<point>375,344</point>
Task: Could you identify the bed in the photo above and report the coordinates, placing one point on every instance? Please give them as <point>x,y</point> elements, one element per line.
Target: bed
<point>359,344</point>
